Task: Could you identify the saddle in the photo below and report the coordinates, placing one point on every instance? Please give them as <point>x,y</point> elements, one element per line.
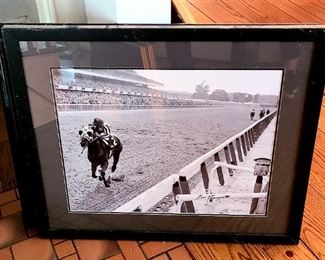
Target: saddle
<point>110,141</point>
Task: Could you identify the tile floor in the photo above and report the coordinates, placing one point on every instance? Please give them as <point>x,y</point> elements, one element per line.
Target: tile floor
<point>20,243</point>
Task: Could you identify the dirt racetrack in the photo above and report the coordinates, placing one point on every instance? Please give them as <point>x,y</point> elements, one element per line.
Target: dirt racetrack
<point>157,143</point>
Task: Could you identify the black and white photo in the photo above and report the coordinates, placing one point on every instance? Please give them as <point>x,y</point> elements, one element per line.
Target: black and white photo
<point>167,141</point>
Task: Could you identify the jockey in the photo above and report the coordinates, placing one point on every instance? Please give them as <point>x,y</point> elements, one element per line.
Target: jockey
<point>103,130</point>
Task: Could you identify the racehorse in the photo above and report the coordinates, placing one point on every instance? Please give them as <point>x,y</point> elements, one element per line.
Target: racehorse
<point>252,114</point>
<point>99,152</point>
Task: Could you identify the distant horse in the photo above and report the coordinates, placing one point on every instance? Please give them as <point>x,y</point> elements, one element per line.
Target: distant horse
<point>252,114</point>
<point>99,153</point>
<point>262,113</point>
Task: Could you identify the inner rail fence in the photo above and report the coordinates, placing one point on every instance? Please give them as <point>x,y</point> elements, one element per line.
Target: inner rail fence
<point>99,107</point>
<point>233,150</point>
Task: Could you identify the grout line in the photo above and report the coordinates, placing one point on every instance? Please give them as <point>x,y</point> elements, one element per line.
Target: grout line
<point>188,251</point>
<point>120,249</point>
<point>11,252</point>
<point>142,249</point>
<point>56,255</point>
<point>172,248</point>
<point>10,202</point>
<point>167,252</point>
<point>62,258</point>
<point>160,254</point>
<point>64,240</point>
<point>168,256</point>
<point>75,248</point>
<point>107,257</point>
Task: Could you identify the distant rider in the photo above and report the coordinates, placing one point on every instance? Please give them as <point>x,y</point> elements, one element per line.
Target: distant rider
<point>252,114</point>
<point>262,113</point>
<point>103,130</point>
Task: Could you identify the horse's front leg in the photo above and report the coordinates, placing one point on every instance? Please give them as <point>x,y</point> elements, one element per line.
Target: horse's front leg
<point>102,173</point>
<point>93,170</point>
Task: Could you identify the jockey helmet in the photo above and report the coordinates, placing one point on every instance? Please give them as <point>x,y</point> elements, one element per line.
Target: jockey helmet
<point>98,121</point>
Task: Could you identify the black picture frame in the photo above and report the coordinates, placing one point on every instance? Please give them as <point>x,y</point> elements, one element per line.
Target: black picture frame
<point>302,129</point>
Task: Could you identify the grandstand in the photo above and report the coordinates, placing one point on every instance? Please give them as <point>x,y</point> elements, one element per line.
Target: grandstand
<point>115,87</point>
<point>121,80</point>
<point>91,89</point>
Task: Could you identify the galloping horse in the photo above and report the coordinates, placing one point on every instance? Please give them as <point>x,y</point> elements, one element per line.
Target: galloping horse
<point>99,153</point>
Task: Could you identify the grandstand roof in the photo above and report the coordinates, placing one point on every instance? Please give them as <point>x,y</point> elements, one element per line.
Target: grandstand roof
<point>117,74</point>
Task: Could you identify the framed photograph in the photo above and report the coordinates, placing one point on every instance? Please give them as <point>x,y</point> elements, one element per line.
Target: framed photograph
<point>163,132</point>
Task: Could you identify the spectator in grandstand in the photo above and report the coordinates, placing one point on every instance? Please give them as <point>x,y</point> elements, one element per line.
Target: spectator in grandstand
<point>103,130</point>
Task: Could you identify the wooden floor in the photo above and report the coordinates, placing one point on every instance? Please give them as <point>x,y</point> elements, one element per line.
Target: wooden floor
<point>18,242</point>
<point>251,11</point>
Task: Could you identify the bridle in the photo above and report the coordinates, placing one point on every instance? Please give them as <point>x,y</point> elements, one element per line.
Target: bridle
<point>86,133</point>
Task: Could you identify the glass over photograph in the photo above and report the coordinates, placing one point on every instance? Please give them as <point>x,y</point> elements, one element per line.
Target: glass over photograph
<point>167,141</point>
<point>164,132</point>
